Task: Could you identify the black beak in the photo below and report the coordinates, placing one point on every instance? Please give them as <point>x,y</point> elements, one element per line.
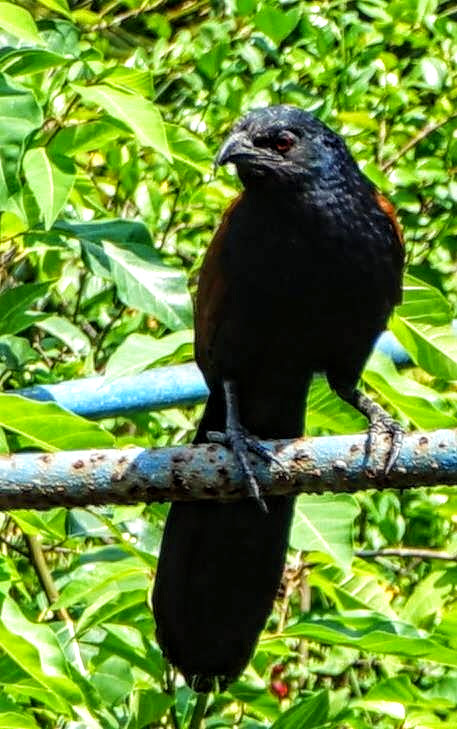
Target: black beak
<point>235,148</point>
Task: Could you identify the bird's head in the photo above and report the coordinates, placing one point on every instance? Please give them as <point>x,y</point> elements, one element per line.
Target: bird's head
<point>284,146</point>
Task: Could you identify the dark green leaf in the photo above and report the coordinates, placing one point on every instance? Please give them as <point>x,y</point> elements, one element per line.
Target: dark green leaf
<point>277,23</point>
<point>14,307</point>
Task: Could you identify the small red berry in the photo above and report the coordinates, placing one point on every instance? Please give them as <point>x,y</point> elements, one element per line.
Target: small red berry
<point>280,689</point>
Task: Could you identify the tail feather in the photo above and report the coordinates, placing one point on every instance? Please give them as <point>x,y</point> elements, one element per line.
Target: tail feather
<point>219,570</point>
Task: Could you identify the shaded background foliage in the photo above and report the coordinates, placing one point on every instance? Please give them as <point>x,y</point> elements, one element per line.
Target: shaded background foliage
<point>110,116</point>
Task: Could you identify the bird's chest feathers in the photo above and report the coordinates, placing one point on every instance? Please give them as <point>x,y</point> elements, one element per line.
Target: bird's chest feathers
<point>281,254</point>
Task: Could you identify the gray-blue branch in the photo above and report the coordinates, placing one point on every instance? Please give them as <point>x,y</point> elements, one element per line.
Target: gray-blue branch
<point>314,465</point>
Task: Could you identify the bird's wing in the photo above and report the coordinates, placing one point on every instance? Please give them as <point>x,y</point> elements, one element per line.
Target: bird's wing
<point>398,242</point>
<point>212,295</point>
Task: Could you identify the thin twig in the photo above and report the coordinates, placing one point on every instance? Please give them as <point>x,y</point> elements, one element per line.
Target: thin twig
<point>171,691</point>
<point>106,330</point>
<point>9,545</point>
<point>198,712</point>
<point>82,282</point>
<point>44,575</point>
<point>407,552</point>
<point>170,220</point>
<point>428,129</point>
<point>145,7</point>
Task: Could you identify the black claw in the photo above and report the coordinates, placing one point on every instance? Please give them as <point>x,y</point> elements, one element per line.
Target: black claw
<point>396,433</point>
<point>267,456</point>
<point>240,444</point>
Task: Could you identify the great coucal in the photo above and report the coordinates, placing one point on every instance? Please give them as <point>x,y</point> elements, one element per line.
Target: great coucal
<point>301,277</point>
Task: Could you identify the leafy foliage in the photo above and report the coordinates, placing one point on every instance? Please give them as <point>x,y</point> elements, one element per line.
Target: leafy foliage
<point>110,116</point>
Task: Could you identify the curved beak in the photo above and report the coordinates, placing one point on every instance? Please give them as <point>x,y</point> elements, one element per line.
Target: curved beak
<point>235,148</point>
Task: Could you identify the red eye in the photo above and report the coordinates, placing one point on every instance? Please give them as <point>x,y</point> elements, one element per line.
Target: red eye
<point>284,141</point>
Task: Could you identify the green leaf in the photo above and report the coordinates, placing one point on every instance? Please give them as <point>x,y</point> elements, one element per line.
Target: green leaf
<point>113,679</point>
<point>24,61</point>
<point>126,257</point>
<point>429,596</point>
<point>359,119</point>
<point>59,6</point>
<point>392,695</point>
<point>133,80</point>
<point>50,178</point>
<point>312,712</point>
<point>48,525</point>
<point>115,230</point>
<point>48,426</point>
<point>328,412</point>
<point>16,352</point>
<point>14,307</point>
<point>188,148</point>
<point>432,348</point>
<point>423,303</point>
<point>105,581</point>
<point>145,283</point>
<point>276,23</point>
<point>139,114</point>
<point>140,351</point>
<point>13,720</point>
<point>20,113</point>
<point>422,324</point>
<point>129,643</point>
<point>255,696</point>
<point>434,72</point>
<point>148,707</point>
<point>374,633</point>
<point>425,407</point>
<point>109,605</point>
<point>84,137</point>
<point>67,332</point>
<point>18,22</point>
<point>34,648</point>
<point>324,524</point>
<point>360,589</point>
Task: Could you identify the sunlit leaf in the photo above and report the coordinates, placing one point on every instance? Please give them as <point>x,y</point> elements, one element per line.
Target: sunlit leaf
<point>140,115</point>
<point>140,351</point>
<point>48,426</point>
<point>51,179</point>
<point>19,22</point>
<point>324,524</point>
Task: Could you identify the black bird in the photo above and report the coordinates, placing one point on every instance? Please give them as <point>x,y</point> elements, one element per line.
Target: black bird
<point>301,277</point>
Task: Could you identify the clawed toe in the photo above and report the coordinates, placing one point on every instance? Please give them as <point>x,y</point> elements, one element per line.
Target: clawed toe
<point>267,456</point>
<point>389,426</point>
<point>240,443</point>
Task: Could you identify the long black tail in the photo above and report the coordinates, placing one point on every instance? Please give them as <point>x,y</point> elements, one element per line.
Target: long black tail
<point>219,570</point>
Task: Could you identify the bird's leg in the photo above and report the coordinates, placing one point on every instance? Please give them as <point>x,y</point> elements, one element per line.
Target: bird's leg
<point>380,422</point>
<point>240,442</point>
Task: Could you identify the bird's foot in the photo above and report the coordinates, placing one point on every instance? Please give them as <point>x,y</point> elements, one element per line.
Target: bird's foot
<point>385,425</point>
<point>241,443</point>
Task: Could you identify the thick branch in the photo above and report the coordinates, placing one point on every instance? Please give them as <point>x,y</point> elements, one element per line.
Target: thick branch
<point>315,465</point>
